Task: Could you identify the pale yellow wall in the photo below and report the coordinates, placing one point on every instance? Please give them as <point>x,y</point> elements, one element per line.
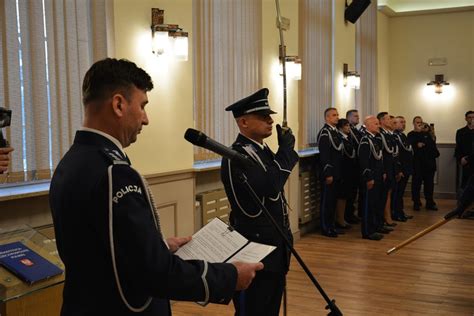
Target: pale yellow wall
<point>344,52</point>
<point>415,39</point>
<point>160,147</point>
<point>383,54</point>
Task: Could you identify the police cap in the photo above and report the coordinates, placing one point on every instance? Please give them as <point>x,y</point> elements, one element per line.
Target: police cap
<point>255,103</point>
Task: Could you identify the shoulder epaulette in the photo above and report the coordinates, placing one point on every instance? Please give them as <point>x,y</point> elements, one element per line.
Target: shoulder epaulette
<point>114,156</point>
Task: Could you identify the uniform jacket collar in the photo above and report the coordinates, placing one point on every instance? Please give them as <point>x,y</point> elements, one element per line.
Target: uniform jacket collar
<point>245,140</point>
<point>89,137</point>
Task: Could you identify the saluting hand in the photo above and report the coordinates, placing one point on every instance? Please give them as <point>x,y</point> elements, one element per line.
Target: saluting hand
<point>285,137</point>
<point>176,242</point>
<point>5,158</point>
<point>245,273</point>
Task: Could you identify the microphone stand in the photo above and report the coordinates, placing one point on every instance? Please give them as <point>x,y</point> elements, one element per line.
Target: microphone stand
<point>334,310</point>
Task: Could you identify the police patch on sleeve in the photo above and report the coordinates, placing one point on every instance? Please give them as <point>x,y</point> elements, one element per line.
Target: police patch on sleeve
<point>127,189</point>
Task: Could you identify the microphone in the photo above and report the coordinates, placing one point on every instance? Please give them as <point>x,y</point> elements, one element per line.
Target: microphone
<point>200,139</point>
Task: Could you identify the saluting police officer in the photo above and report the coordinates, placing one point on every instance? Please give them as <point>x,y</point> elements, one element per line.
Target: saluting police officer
<point>406,163</point>
<point>267,176</point>
<point>107,227</point>
<point>391,167</point>
<point>330,162</point>
<point>372,178</point>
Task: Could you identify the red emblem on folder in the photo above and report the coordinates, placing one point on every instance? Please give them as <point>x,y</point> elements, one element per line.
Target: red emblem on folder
<point>27,262</point>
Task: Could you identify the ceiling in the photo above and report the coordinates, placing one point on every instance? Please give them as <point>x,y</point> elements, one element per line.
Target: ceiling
<point>409,7</point>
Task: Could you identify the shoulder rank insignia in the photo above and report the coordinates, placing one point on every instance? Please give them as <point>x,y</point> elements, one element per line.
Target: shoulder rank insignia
<point>115,156</point>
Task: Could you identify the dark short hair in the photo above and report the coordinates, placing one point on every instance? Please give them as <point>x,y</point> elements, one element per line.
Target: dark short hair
<point>468,113</point>
<point>416,117</point>
<point>381,115</point>
<point>341,123</point>
<point>329,109</point>
<point>109,76</point>
<point>350,112</point>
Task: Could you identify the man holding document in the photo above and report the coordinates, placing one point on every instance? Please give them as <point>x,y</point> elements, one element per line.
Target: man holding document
<point>267,176</point>
<point>106,223</point>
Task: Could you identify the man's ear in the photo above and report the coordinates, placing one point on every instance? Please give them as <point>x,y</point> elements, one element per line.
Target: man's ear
<point>118,103</point>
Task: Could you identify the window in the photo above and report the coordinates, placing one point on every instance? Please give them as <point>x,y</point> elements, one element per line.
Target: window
<point>46,47</point>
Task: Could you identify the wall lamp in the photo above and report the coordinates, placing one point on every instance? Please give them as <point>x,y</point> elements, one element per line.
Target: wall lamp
<point>168,39</point>
<point>351,78</point>
<point>438,83</point>
<point>293,67</point>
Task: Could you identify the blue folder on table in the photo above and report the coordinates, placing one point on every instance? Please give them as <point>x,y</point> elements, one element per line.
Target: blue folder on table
<point>26,264</point>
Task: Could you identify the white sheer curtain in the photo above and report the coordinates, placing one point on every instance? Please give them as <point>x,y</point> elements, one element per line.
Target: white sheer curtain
<point>316,54</point>
<point>227,67</point>
<point>366,61</point>
<point>46,47</point>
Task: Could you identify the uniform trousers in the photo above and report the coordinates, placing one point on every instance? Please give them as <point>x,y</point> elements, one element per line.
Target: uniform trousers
<point>425,177</point>
<point>397,197</point>
<point>329,195</point>
<point>370,207</point>
<point>263,296</point>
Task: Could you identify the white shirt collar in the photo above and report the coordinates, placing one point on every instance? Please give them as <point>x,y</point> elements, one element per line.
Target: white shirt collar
<point>343,135</point>
<point>332,127</point>
<point>109,137</point>
<point>370,133</point>
<point>262,146</point>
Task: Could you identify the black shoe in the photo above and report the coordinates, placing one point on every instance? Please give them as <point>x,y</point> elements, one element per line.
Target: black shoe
<point>339,231</point>
<point>383,231</point>
<point>408,216</point>
<point>353,220</point>
<point>431,207</point>
<point>374,236</point>
<point>390,225</point>
<point>345,226</point>
<point>330,234</point>
<point>389,228</point>
<point>400,219</point>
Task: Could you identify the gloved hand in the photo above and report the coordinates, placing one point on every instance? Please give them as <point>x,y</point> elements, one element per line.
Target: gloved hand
<point>286,139</point>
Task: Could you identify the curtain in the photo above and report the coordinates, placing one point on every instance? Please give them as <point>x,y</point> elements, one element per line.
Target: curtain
<point>227,67</point>
<point>316,53</point>
<point>366,61</point>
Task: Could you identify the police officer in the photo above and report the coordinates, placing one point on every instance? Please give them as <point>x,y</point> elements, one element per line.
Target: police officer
<point>406,164</point>
<point>107,227</point>
<point>464,151</point>
<point>267,176</point>
<point>350,174</point>
<point>372,178</point>
<point>330,165</point>
<point>355,136</point>
<point>391,167</point>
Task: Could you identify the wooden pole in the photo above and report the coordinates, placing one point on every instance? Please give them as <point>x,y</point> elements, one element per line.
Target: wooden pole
<point>419,235</point>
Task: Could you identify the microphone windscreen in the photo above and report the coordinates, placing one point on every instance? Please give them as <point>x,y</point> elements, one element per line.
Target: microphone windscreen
<point>195,137</point>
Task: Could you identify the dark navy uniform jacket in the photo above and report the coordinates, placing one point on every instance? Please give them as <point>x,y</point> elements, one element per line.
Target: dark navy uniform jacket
<point>465,144</point>
<point>267,176</point>
<point>370,159</point>
<point>110,241</point>
<point>356,136</point>
<point>350,161</point>
<point>330,152</point>
<point>405,153</point>
<point>390,154</point>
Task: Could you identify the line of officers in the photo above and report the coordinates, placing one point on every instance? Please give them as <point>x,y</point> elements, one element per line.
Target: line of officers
<point>372,165</point>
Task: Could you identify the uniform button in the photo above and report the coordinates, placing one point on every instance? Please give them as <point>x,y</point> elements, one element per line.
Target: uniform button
<point>257,235</point>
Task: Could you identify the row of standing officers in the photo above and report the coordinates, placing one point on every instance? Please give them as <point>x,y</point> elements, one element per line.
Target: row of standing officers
<point>373,164</point>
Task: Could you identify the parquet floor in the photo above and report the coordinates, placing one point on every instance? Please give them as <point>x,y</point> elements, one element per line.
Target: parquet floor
<point>432,276</point>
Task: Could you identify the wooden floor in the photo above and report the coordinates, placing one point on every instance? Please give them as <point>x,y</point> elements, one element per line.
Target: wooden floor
<point>432,276</point>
